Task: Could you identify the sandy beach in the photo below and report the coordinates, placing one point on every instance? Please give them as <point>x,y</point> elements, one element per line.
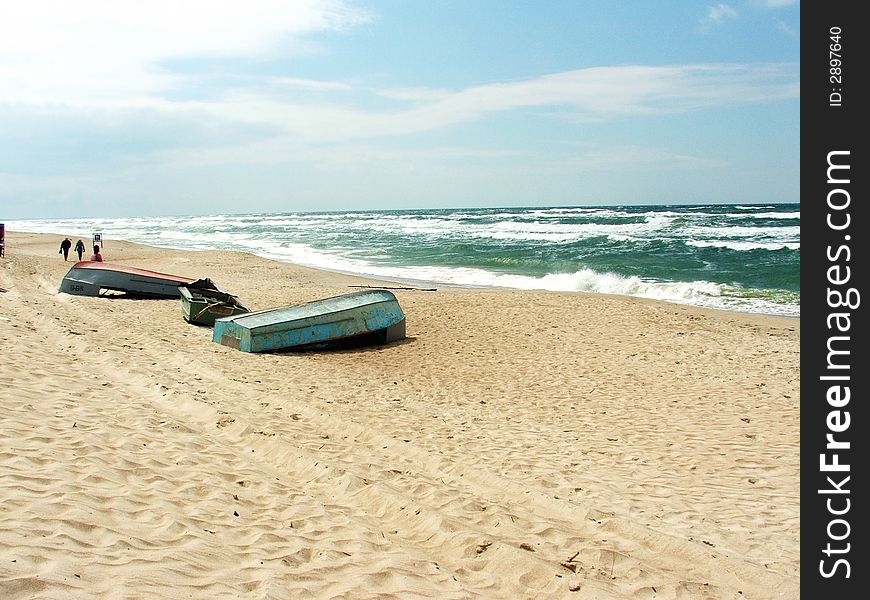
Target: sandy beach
<point>518,444</point>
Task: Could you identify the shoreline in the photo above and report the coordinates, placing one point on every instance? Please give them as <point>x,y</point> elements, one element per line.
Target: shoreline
<point>531,443</point>
<point>434,283</point>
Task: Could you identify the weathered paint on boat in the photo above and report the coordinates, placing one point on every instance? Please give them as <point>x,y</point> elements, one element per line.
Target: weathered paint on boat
<point>92,278</point>
<point>203,305</point>
<point>356,314</point>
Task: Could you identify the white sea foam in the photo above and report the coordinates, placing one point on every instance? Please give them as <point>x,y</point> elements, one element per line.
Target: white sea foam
<point>430,226</point>
<point>775,215</point>
<point>704,232</point>
<point>743,246</point>
<point>697,293</point>
<point>561,233</point>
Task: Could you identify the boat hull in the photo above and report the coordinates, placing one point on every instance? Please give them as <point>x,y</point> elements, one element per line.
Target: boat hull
<point>202,306</point>
<point>89,278</point>
<point>373,313</point>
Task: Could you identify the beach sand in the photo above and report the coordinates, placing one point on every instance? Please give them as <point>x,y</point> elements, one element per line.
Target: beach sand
<point>518,444</point>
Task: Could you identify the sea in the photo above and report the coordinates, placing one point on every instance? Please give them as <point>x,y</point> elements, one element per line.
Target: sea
<point>736,257</point>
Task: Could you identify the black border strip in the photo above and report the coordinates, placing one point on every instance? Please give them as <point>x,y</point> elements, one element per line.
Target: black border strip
<point>834,227</point>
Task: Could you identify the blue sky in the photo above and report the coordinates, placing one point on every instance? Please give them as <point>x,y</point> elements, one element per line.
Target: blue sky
<point>125,108</point>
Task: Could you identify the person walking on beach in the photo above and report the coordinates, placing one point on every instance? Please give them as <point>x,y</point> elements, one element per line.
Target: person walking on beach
<point>65,245</point>
<point>96,256</point>
<point>80,248</point>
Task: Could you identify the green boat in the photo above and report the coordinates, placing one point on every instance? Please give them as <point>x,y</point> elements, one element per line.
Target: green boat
<point>202,302</point>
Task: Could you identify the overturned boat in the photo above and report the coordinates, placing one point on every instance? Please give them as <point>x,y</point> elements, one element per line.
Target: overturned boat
<point>370,315</point>
<point>94,278</point>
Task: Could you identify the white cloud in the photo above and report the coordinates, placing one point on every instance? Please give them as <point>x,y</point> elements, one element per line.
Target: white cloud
<point>308,84</point>
<point>107,55</point>
<point>415,94</point>
<point>586,95</point>
<point>81,51</point>
<point>322,113</point>
<point>716,15</point>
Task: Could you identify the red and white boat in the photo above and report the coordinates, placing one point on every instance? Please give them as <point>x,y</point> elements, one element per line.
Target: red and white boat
<point>92,278</point>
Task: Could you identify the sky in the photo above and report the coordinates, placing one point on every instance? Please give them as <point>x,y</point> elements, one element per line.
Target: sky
<point>112,108</point>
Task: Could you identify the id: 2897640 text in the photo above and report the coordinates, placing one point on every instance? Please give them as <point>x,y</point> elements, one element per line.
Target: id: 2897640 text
<point>835,60</point>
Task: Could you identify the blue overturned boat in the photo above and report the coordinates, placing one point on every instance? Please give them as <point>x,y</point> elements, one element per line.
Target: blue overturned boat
<point>369,316</point>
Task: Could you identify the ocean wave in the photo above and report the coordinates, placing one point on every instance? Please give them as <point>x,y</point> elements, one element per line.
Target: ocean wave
<point>759,233</point>
<point>744,246</point>
<point>570,232</point>
<point>773,215</point>
<point>697,293</point>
